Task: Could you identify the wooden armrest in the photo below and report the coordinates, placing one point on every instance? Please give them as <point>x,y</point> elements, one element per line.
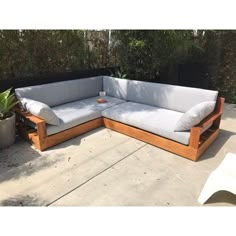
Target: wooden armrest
<point>208,120</point>
<point>213,116</point>
<point>29,116</point>
<point>40,123</point>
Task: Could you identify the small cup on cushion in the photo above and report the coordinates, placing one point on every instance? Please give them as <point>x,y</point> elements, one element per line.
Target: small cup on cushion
<point>40,110</point>
<point>194,115</point>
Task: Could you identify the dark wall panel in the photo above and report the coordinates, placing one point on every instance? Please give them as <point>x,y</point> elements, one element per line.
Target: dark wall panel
<point>52,77</point>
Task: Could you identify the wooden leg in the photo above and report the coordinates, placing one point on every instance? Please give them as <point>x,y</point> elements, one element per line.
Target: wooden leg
<point>195,134</point>
<point>216,123</point>
<point>39,140</point>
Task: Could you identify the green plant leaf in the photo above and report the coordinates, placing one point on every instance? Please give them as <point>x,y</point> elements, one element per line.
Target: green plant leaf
<point>4,95</point>
<point>7,102</point>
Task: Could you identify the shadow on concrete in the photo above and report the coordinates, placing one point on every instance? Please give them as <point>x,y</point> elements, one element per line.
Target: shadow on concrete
<point>22,200</point>
<point>214,148</point>
<point>21,159</point>
<point>74,141</point>
<point>222,197</point>
<point>93,154</point>
<point>16,155</point>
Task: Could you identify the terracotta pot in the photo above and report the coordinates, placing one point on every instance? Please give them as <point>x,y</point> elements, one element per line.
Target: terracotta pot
<point>7,131</point>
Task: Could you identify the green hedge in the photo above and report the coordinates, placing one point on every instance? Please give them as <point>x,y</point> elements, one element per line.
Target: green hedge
<point>39,51</point>
<point>142,54</point>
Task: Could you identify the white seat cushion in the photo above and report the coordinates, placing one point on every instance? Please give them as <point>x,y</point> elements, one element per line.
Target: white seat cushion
<point>75,113</point>
<point>153,119</point>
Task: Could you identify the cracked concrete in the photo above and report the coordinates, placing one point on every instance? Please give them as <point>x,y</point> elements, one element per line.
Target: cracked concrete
<point>105,168</point>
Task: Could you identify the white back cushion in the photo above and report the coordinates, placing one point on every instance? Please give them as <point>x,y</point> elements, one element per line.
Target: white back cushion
<point>62,92</point>
<point>170,97</point>
<point>115,87</point>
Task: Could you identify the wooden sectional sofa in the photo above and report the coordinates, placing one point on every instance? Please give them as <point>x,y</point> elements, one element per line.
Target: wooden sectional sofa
<point>142,110</point>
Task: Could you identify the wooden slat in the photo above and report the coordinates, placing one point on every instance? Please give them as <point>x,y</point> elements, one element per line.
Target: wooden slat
<point>27,132</point>
<point>28,116</point>
<point>210,139</point>
<point>208,120</point>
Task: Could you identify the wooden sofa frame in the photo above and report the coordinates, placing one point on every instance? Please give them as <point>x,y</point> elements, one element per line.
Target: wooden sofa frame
<point>197,145</point>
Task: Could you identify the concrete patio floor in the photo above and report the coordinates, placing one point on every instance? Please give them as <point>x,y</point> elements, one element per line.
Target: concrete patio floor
<point>106,168</point>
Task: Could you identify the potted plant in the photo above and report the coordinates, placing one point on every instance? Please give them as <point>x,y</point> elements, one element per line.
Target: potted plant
<point>7,119</point>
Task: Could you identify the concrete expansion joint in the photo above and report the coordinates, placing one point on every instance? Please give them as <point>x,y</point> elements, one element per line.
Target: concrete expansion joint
<point>109,167</point>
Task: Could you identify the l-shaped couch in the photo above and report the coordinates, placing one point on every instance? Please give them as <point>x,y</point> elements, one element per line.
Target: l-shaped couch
<point>179,119</point>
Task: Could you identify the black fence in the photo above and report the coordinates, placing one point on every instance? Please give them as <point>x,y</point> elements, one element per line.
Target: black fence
<point>52,77</point>
<point>193,75</point>
<point>189,75</point>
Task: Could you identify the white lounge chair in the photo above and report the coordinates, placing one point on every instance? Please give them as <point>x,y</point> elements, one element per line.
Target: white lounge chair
<point>223,178</point>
